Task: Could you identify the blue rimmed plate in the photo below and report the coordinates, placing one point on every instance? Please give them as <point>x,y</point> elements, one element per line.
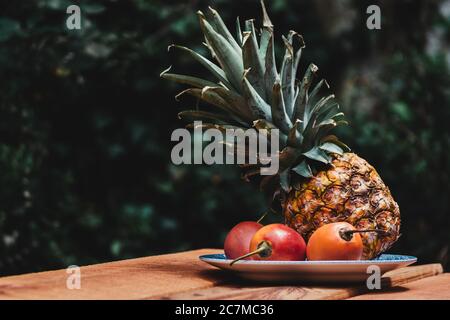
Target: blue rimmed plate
<point>310,271</point>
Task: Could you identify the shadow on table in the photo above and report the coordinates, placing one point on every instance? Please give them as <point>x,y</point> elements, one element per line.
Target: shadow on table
<point>231,279</point>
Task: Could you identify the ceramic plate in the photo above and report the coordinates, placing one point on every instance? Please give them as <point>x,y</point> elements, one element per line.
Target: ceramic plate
<point>309,271</point>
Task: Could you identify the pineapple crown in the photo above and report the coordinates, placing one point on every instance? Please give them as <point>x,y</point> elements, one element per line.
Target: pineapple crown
<point>250,92</point>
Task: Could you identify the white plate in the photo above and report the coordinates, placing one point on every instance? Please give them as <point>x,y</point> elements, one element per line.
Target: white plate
<point>309,271</point>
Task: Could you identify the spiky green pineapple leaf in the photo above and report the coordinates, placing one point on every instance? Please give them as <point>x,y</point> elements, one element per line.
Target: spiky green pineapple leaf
<point>252,63</point>
<point>298,54</point>
<point>205,126</point>
<point>238,31</point>
<point>303,169</point>
<point>266,34</point>
<point>271,73</point>
<point>212,67</point>
<point>289,70</point>
<point>329,111</point>
<point>278,109</point>
<point>331,147</point>
<point>287,157</point>
<point>312,114</point>
<point>259,107</point>
<point>312,96</point>
<point>335,140</point>
<point>295,138</point>
<point>285,178</point>
<point>222,29</point>
<point>235,101</point>
<point>189,80</point>
<point>213,98</point>
<point>318,155</point>
<point>229,59</point>
<point>266,19</point>
<point>300,104</point>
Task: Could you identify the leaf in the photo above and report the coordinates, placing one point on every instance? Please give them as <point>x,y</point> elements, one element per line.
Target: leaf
<point>258,106</point>
<point>192,81</point>
<point>325,122</point>
<point>335,140</point>
<point>285,181</point>
<point>328,112</point>
<point>303,169</point>
<point>287,157</point>
<point>289,70</point>
<point>238,31</point>
<point>213,68</point>
<point>235,101</point>
<point>228,58</point>
<point>300,104</point>
<point>271,73</point>
<point>222,29</point>
<point>205,126</point>
<point>316,154</point>
<point>212,98</point>
<point>298,54</point>
<point>252,62</point>
<point>278,110</point>
<point>266,34</point>
<point>322,102</point>
<point>266,19</point>
<point>250,26</point>
<point>287,75</point>
<point>295,138</point>
<point>316,90</point>
<point>261,124</point>
<point>331,147</point>
<point>324,128</point>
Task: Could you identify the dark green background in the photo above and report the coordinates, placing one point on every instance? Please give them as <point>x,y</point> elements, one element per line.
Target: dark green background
<point>85,124</point>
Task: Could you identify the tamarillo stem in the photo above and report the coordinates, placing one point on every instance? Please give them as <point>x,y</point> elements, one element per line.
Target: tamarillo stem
<point>264,250</point>
<point>348,234</point>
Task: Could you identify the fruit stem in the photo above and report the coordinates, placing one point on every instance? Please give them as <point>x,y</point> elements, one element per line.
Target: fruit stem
<point>264,250</point>
<point>262,217</point>
<point>348,234</point>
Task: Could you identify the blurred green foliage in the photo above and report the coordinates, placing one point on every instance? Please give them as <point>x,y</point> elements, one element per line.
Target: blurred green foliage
<point>85,124</point>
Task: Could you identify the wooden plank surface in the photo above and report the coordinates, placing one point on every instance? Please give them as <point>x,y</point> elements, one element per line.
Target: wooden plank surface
<point>178,276</point>
<point>431,288</point>
<point>255,292</point>
<point>139,278</point>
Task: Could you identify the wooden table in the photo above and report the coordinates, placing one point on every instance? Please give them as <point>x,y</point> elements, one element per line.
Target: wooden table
<point>183,276</point>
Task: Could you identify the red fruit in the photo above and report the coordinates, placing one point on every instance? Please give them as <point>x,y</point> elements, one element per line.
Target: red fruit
<point>336,241</point>
<point>330,243</point>
<point>238,239</point>
<point>277,242</point>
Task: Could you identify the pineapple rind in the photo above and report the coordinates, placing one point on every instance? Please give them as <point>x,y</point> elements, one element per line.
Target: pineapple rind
<point>350,190</point>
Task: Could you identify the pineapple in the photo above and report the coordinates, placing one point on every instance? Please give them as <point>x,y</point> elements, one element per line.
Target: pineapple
<point>319,180</point>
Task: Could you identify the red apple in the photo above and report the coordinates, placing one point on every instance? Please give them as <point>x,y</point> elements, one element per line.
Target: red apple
<point>238,239</point>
